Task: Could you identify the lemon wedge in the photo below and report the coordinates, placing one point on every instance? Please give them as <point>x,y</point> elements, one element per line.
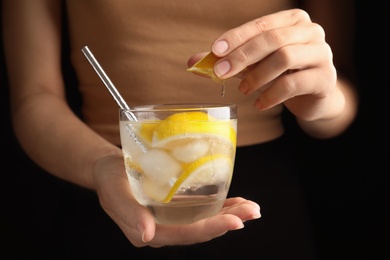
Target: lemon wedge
<point>205,67</point>
<point>132,166</point>
<point>146,131</point>
<point>154,191</point>
<point>207,170</point>
<point>191,125</point>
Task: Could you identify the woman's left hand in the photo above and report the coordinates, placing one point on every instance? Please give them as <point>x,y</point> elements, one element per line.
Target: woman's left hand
<point>284,57</point>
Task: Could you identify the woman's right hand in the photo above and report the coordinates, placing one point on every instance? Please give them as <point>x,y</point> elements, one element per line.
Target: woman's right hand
<point>137,223</point>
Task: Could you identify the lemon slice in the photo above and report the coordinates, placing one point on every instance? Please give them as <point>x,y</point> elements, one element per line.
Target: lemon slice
<point>192,125</point>
<point>154,191</point>
<point>207,170</point>
<point>205,67</point>
<point>132,166</point>
<point>146,131</point>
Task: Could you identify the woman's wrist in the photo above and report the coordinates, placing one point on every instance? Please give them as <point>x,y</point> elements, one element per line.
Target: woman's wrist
<point>342,110</point>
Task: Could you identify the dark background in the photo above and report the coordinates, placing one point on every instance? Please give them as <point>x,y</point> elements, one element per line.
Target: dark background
<point>345,178</point>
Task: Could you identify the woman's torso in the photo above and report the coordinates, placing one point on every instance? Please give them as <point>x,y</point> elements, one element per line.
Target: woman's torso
<point>143,46</point>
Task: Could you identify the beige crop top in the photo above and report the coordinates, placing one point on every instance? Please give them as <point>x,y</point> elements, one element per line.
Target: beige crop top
<point>143,46</point>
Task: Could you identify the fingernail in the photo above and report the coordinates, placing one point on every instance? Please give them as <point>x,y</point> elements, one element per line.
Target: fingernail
<point>241,226</point>
<point>220,47</point>
<point>222,68</point>
<point>141,230</point>
<point>243,87</point>
<point>259,105</point>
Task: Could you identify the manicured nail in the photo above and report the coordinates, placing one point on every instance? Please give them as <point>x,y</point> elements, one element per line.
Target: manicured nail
<point>241,226</point>
<point>220,47</point>
<point>259,105</point>
<point>141,230</point>
<point>222,68</point>
<point>243,87</point>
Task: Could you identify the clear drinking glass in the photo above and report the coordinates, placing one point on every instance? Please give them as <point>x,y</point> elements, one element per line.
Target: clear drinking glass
<point>179,158</point>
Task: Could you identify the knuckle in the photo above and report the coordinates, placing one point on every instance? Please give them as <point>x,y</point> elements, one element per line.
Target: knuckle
<point>235,38</point>
<point>262,24</point>
<point>275,37</point>
<point>319,30</point>
<point>328,51</point>
<point>242,56</point>
<point>327,54</point>
<point>252,80</point>
<point>284,57</point>
<point>289,84</point>
<point>301,15</point>
<point>332,75</point>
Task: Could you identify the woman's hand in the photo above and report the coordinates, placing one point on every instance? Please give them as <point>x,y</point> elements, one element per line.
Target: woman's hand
<point>138,224</point>
<point>285,59</point>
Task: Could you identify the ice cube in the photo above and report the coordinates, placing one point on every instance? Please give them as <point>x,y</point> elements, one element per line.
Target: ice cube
<point>210,170</point>
<point>159,166</point>
<point>128,143</point>
<point>190,151</point>
<point>154,191</point>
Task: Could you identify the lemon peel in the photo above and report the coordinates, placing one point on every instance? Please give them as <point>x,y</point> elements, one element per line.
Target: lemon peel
<point>192,124</point>
<point>132,165</point>
<point>205,67</point>
<point>193,168</point>
<point>146,131</point>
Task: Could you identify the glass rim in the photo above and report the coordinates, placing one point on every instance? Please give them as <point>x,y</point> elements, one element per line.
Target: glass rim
<point>179,107</point>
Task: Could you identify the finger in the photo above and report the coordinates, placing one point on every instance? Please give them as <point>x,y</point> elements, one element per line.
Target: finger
<point>116,199</point>
<point>288,58</point>
<point>198,232</point>
<point>231,217</point>
<point>295,85</point>
<point>232,201</point>
<point>245,210</point>
<point>234,38</point>
<point>140,231</point>
<point>237,201</point>
<point>263,45</point>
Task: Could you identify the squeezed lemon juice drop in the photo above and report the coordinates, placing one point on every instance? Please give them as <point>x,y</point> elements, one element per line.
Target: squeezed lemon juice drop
<point>223,89</point>
<point>205,67</point>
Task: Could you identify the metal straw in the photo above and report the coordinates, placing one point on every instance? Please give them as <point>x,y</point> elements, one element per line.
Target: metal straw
<point>106,80</point>
<point>114,92</point>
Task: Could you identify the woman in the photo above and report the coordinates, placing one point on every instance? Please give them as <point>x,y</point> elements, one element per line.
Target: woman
<point>273,56</point>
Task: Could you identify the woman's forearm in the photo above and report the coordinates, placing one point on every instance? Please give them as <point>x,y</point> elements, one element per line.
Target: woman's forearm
<point>58,141</point>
